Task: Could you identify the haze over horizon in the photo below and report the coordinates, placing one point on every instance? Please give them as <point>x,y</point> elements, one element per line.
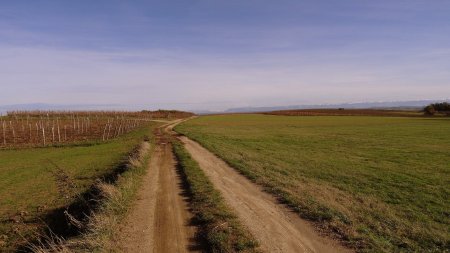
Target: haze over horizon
<point>199,55</point>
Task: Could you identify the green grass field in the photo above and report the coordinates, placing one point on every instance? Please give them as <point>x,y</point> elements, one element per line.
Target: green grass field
<point>379,183</point>
<point>29,179</point>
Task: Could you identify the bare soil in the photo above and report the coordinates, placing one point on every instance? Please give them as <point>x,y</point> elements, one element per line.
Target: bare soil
<point>159,220</point>
<point>275,227</point>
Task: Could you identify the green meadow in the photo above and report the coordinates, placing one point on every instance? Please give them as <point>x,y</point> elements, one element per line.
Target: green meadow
<point>379,184</point>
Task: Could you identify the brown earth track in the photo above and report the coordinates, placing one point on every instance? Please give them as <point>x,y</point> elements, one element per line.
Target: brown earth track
<point>276,227</point>
<point>159,220</point>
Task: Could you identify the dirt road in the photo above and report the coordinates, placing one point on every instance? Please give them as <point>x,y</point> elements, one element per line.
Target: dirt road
<point>276,228</point>
<point>159,220</point>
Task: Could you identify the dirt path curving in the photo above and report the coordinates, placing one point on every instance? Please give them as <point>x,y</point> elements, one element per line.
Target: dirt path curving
<point>276,228</point>
<point>159,220</point>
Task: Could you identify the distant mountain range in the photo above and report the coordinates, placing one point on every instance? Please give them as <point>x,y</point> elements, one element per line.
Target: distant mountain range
<point>406,105</point>
<point>411,105</point>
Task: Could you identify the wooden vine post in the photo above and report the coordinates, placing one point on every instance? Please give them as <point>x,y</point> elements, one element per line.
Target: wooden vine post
<point>4,133</point>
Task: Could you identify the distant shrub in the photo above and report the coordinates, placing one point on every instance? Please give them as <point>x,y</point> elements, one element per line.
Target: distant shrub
<point>429,110</point>
<point>432,109</point>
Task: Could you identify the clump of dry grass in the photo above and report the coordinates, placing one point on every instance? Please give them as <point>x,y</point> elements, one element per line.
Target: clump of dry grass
<point>51,244</point>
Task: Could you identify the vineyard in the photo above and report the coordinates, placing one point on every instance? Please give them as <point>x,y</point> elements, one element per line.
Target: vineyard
<point>42,128</point>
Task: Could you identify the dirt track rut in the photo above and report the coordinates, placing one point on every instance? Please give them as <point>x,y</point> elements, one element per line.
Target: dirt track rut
<point>276,228</point>
<point>159,220</point>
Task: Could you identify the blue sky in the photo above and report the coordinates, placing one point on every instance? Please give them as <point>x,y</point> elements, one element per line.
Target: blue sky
<point>221,54</point>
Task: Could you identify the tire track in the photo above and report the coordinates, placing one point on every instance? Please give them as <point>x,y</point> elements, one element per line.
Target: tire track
<point>159,220</point>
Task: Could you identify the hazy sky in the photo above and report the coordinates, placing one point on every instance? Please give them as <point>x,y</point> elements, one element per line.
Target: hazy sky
<point>190,54</point>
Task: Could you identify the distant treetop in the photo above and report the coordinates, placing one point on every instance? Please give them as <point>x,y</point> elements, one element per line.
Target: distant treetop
<point>442,108</point>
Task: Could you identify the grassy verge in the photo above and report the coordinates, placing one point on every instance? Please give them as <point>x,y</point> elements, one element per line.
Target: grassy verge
<point>219,227</point>
<point>101,230</point>
<point>37,183</point>
<point>379,183</point>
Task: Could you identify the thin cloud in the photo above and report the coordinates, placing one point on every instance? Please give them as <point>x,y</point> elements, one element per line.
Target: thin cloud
<point>215,54</point>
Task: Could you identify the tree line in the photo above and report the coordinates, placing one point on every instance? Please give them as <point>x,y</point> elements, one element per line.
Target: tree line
<point>442,108</point>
